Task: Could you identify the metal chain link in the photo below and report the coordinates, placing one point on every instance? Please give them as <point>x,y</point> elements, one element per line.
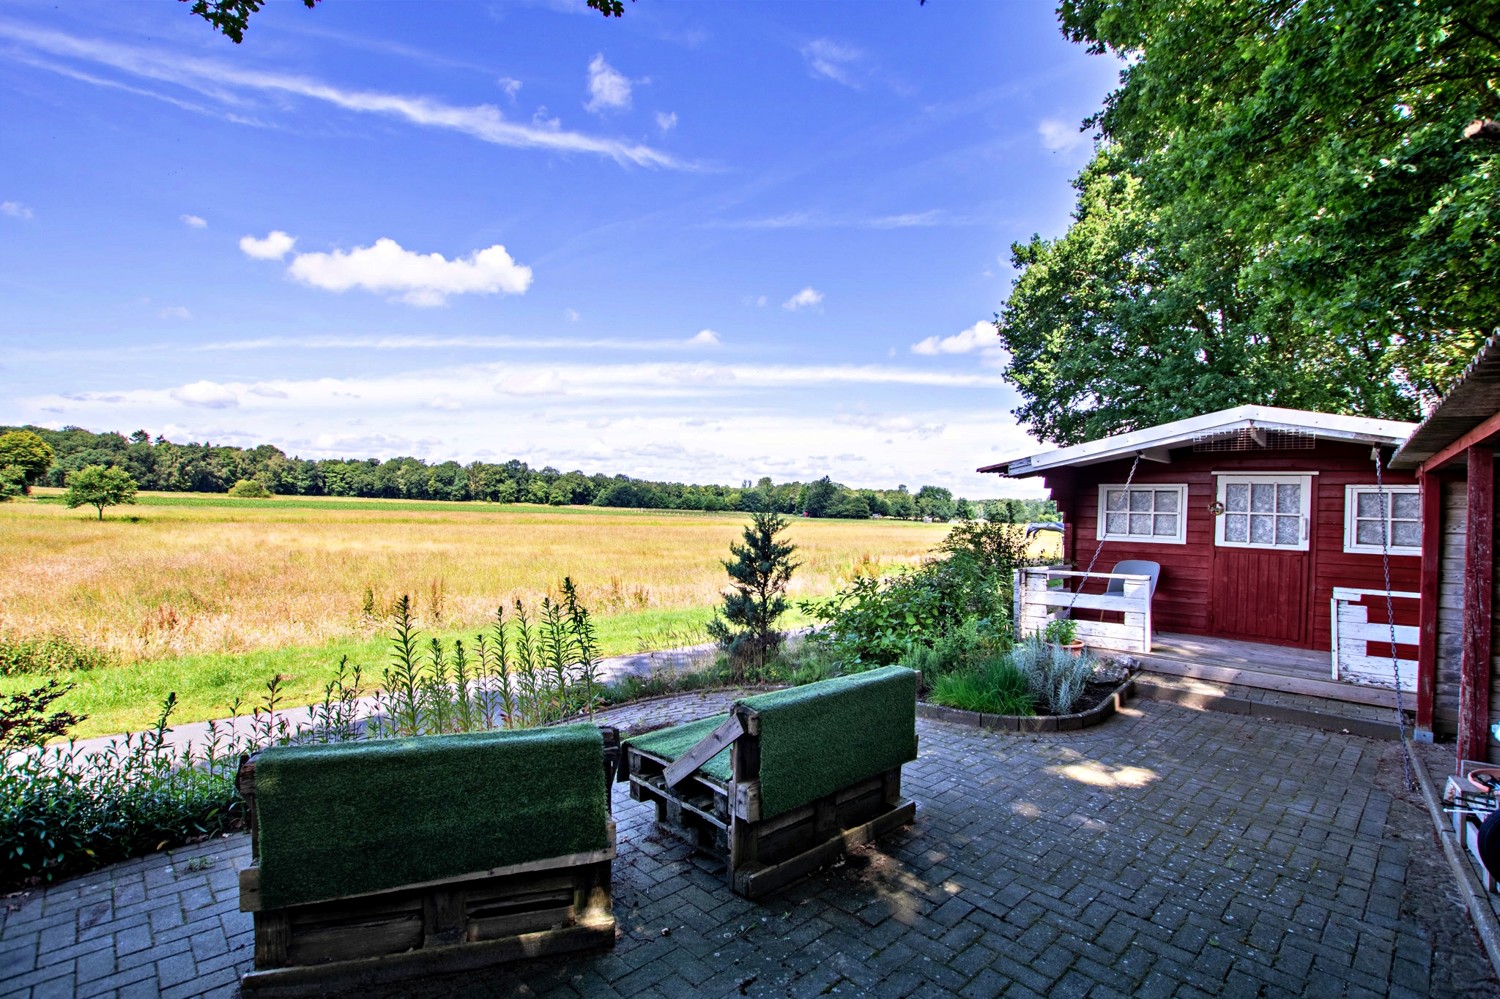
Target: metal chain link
<point>1100,547</point>
<point>1390,616</point>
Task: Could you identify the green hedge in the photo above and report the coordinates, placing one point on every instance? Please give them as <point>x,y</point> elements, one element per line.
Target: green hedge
<point>356,817</point>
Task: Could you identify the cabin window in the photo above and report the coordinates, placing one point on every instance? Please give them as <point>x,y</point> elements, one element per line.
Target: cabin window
<point>1154,513</point>
<point>1372,520</point>
<point>1264,511</point>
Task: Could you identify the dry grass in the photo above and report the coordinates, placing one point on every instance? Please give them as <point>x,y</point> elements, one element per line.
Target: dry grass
<point>167,578</point>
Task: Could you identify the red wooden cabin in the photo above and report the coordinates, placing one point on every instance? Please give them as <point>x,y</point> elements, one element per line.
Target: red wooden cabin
<point>1453,456</point>
<point>1267,524</point>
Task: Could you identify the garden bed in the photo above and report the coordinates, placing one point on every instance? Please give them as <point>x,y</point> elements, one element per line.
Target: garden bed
<point>1102,700</point>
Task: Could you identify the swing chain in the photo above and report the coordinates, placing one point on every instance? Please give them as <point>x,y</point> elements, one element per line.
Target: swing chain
<point>1100,547</point>
<point>1390,615</point>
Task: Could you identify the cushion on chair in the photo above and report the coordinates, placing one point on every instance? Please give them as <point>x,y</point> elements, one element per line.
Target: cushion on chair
<point>356,817</point>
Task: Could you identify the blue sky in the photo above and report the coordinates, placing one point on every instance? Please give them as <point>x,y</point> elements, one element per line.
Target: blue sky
<point>703,242</point>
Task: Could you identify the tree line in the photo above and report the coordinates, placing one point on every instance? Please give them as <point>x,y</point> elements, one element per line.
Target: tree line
<point>162,465</point>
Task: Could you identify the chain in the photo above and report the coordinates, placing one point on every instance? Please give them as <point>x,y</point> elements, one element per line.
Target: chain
<point>1390,616</point>
<point>1100,547</point>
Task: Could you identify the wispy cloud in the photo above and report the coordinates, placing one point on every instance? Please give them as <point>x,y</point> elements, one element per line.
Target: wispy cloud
<point>804,299</point>
<point>175,312</point>
<point>1060,136</point>
<point>15,210</point>
<point>193,221</point>
<point>666,120</point>
<point>705,338</point>
<point>428,342</point>
<point>609,89</point>
<point>818,220</point>
<point>231,86</point>
<point>832,60</point>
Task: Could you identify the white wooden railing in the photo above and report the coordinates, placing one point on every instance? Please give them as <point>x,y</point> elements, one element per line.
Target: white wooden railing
<point>1355,636</point>
<point>1037,602</point>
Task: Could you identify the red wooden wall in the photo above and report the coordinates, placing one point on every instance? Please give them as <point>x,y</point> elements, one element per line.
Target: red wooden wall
<point>1262,588</point>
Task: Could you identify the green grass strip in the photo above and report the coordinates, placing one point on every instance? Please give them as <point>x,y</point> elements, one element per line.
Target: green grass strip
<point>365,816</point>
<point>828,735</point>
<point>671,743</point>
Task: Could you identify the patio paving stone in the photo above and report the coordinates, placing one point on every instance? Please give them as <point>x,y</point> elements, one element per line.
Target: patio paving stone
<point>1167,852</point>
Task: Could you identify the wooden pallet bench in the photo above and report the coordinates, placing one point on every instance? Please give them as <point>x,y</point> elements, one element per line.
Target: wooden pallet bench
<point>392,859</point>
<point>787,781</point>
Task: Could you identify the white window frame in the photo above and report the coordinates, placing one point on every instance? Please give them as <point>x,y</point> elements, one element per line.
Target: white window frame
<point>1221,493</point>
<point>1351,508</point>
<point>1156,539</point>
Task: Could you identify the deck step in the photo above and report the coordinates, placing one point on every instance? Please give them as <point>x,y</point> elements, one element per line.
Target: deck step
<point>1329,689</point>
<point>1298,709</point>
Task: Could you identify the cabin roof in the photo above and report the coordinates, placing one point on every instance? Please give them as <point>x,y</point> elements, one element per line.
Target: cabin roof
<point>1474,400</point>
<point>1252,421</point>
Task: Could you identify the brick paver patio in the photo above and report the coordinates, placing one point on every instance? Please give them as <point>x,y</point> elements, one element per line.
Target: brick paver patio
<point>1166,853</point>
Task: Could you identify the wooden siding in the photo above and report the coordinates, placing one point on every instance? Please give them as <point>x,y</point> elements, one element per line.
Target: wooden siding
<point>1450,613</point>
<point>1184,593</point>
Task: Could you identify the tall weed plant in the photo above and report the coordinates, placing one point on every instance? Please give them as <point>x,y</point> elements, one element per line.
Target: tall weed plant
<point>65,809</point>
<point>1055,676</point>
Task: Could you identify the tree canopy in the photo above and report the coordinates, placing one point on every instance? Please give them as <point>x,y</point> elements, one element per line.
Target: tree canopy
<point>25,456</point>
<point>1292,202</point>
<point>231,17</point>
<point>99,487</point>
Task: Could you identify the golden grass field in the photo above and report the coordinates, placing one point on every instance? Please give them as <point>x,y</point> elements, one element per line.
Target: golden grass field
<point>222,575</point>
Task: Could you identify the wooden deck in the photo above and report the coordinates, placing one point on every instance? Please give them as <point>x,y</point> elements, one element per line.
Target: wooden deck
<point>1265,667</point>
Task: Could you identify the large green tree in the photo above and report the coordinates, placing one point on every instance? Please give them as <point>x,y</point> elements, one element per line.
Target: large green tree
<point>232,17</point>
<point>27,454</point>
<point>1293,202</point>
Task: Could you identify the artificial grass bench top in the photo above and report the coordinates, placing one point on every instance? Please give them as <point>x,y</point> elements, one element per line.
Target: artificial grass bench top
<point>814,739</point>
<point>358,817</point>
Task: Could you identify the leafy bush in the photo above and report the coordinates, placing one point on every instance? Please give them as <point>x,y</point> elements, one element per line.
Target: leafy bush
<point>49,654</point>
<point>876,622</point>
<point>250,489</point>
<point>959,649</point>
<point>1055,676</point>
<point>994,687</point>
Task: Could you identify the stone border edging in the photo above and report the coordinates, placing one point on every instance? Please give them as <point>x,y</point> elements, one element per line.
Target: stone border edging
<point>1098,714</point>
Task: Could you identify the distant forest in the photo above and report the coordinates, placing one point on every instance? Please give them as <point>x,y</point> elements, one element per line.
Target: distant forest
<point>157,463</point>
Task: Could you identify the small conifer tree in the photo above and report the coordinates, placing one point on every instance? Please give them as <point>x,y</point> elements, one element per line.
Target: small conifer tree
<point>759,572</point>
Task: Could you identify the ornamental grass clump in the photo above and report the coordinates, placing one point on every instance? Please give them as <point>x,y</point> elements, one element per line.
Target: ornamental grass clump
<point>993,687</point>
<point>1055,675</point>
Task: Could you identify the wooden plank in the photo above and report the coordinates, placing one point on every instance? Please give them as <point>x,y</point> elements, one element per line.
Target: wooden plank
<point>361,975</point>
<point>760,880</point>
<point>530,866</point>
<point>1479,566</point>
<point>707,748</point>
<point>1260,680</point>
<point>250,889</point>
<point>1432,525</point>
<point>1468,442</point>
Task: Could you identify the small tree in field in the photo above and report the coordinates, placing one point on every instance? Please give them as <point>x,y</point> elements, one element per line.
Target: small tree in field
<point>97,486</point>
<point>762,566</point>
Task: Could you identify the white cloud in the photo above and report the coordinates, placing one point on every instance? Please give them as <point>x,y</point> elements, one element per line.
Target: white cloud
<point>707,338</point>
<point>228,85</point>
<point>15,210</point>
<point>175,312</point>
<point>981,338</point>
<point>571,315</point>
<point>275,246</point>
<point>267,392</point>
<point>208,395</point>
<point>445,402</point>
<point>1060,136</point>
<point>193,221</point>
<point>414,278</point>
<point>608,88</point>
<point>832,60</point>
<point>804,299</point>
<point>666,120</point>
<point>511,86</point>
<point>532,383</point>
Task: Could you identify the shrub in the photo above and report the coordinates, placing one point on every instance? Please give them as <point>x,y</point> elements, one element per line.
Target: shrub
<point>759,573</point>
<point>961,648</point>
<point>250,489</point>
<point>49,654</point>
<point>1055,676</point>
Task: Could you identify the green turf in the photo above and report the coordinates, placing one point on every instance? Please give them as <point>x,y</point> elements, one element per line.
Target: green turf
<point>824,736</point>
<point>671,743</point>
<point>357,817</point>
